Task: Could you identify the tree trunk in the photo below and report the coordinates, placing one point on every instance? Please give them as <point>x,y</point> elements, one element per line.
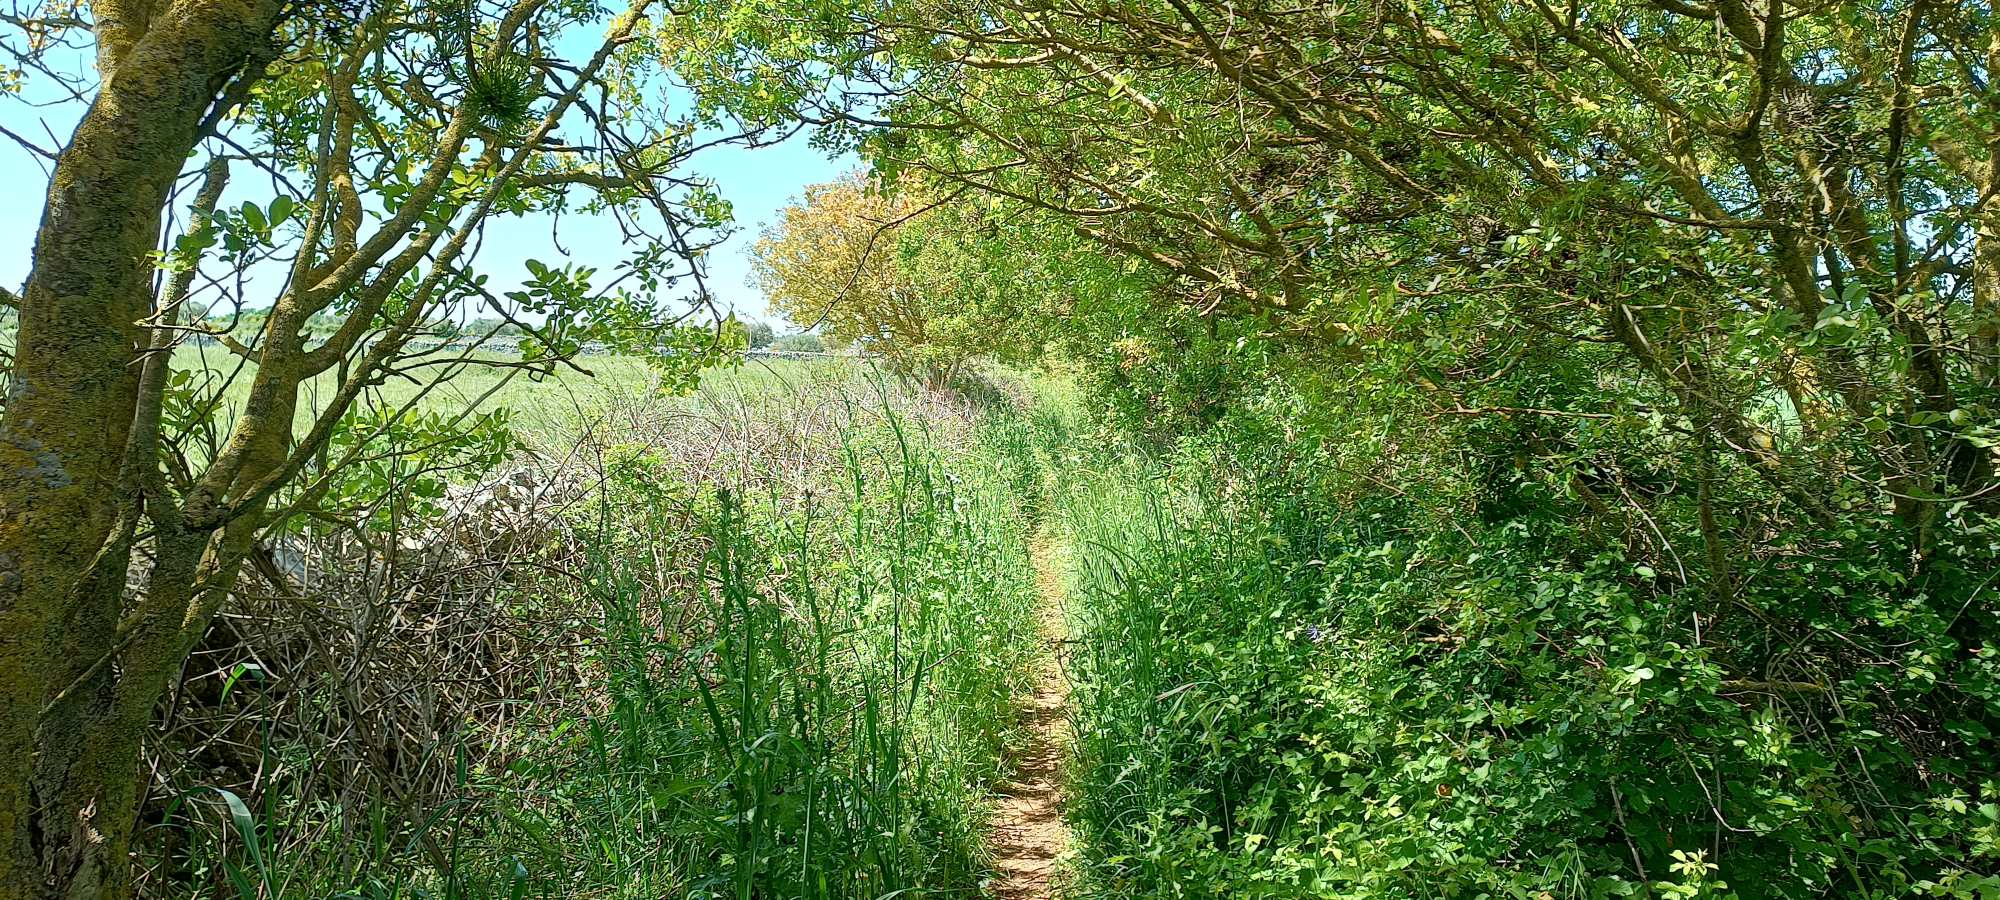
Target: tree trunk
<point>70,407</point>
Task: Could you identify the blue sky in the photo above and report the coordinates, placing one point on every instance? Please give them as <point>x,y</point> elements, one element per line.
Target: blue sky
<point>757,182</point>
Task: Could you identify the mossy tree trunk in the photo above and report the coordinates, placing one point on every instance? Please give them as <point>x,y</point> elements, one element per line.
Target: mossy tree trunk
<point>65,525</point>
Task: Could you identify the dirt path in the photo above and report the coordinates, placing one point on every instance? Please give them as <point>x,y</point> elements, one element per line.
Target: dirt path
<point>1028,835</point>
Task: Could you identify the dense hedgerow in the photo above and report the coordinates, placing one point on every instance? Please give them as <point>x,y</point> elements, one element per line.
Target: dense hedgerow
<point>1294,686</point>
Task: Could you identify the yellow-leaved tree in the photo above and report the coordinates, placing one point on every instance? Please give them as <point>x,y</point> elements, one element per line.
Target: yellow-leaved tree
<point>890,273</point>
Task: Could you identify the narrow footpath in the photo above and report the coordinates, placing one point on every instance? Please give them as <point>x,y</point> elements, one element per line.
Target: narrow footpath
<point>1028,835</point>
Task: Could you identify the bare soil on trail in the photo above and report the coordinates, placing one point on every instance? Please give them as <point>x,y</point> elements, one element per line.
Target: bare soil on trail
<point>1027,834</point>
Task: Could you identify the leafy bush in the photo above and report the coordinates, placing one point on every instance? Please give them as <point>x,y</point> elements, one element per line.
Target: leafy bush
<point>1295,688</point>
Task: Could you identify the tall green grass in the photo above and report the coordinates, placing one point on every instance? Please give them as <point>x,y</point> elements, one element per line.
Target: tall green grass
<point>809,705</point>
<point>1176,603</point>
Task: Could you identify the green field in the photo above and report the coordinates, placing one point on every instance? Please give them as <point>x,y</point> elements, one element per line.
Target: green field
<point>552,405</point>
